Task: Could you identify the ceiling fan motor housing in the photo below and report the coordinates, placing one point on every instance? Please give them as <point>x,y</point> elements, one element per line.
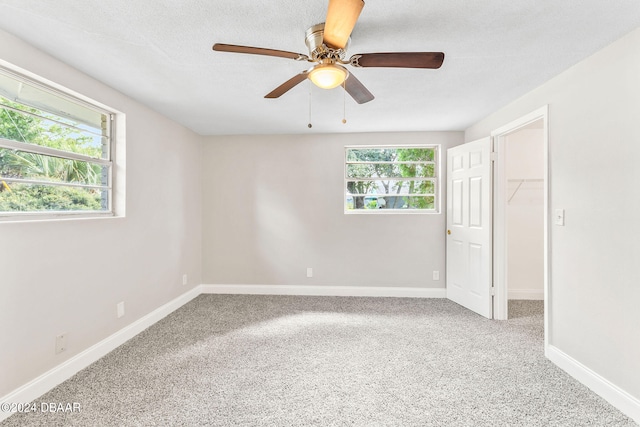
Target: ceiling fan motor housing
<point>318,51</point>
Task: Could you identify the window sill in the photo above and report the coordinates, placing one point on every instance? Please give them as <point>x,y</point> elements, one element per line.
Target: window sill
<point>12,218</point>
<point>389,212</point>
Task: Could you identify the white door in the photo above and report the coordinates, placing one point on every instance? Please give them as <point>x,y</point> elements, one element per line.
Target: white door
<point>469,238</point>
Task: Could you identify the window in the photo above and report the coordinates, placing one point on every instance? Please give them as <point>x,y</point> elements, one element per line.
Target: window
<point>391,179</point>
<point>55,151</point>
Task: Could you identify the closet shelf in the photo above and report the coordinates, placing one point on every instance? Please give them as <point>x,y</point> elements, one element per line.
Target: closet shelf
<point>525,180</point>
<point>520,182</point>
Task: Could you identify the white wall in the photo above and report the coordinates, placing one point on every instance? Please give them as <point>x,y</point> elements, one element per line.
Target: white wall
<point>68,276</point>
<point>273,206</point>
<point>525,214</point>
<point>594,139</point>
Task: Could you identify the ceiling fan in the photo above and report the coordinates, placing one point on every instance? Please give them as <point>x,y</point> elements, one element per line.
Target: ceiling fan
<point>327,44</point>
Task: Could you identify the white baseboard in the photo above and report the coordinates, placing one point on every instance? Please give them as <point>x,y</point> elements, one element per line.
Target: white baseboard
<point>50,379</point>
<point>627,404</point>
<point>529,294</point>
<point>619,398</point>
<point>345,291</point>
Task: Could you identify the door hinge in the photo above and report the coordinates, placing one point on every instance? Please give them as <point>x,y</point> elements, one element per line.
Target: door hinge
<point>494,156</point>
<point>493,291</point>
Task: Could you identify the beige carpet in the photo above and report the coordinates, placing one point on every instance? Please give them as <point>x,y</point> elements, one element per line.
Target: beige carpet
<point>225,360</point>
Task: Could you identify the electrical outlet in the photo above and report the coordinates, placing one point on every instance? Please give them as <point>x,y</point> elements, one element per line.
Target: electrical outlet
<point>436,275</point>
<point>309,272</point>
<point>120,309</point>
<point>61,343</point>
<point>185,279</point>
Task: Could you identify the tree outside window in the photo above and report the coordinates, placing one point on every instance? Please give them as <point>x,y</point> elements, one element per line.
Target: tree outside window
<point>391,178</point>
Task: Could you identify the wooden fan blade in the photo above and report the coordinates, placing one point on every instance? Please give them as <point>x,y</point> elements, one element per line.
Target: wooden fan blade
<point>357,90</point>
<point>220,47</point>
<point>288,85</point>
<point>399,59</point>
<point>341,18</point>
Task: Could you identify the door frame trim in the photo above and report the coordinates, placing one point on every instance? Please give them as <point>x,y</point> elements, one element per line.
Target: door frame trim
<point>500,302</point>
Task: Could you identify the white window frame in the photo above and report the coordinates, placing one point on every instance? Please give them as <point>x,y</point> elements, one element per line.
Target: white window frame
<point>436,179</point>
<point>61,92</point>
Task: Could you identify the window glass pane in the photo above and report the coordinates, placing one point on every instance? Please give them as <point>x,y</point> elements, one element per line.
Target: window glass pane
<point>362,202</point>
<point>25,124</point>
<point>26,93</point>
<point>371,202</point>
<point>18,164</point>
<point>371,154</point>
<point>20,197</point>
<point>416,170</point>
<point>426,202</point>
<point>55,149</point>
<point>415,154</point>
<point>419,154</point>
<point>360,187</point>
<point>368,170</point>
<point>392,178</point>
<point>392,187</point>
<point>362,171</point>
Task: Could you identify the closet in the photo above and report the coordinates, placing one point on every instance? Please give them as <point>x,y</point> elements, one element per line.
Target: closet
<point>525,212</point>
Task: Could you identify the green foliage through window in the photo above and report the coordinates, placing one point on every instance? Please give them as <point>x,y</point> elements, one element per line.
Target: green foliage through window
<point>54,151</point>
<point>391,178</point>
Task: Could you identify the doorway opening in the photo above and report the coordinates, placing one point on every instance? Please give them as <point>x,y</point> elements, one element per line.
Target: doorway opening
<point>521,206</point>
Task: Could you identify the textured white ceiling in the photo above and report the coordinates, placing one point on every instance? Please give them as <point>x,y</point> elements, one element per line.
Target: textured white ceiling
<point>159,52</point>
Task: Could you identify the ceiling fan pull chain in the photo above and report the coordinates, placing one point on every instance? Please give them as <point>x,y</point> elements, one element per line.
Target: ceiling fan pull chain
<point>344,102</point>
<point>310,88</point>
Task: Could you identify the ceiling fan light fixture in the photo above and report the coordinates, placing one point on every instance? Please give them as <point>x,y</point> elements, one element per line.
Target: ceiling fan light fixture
<point>328,76</point>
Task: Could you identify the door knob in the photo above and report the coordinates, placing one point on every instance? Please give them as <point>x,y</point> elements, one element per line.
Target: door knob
<point>448,231</point>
